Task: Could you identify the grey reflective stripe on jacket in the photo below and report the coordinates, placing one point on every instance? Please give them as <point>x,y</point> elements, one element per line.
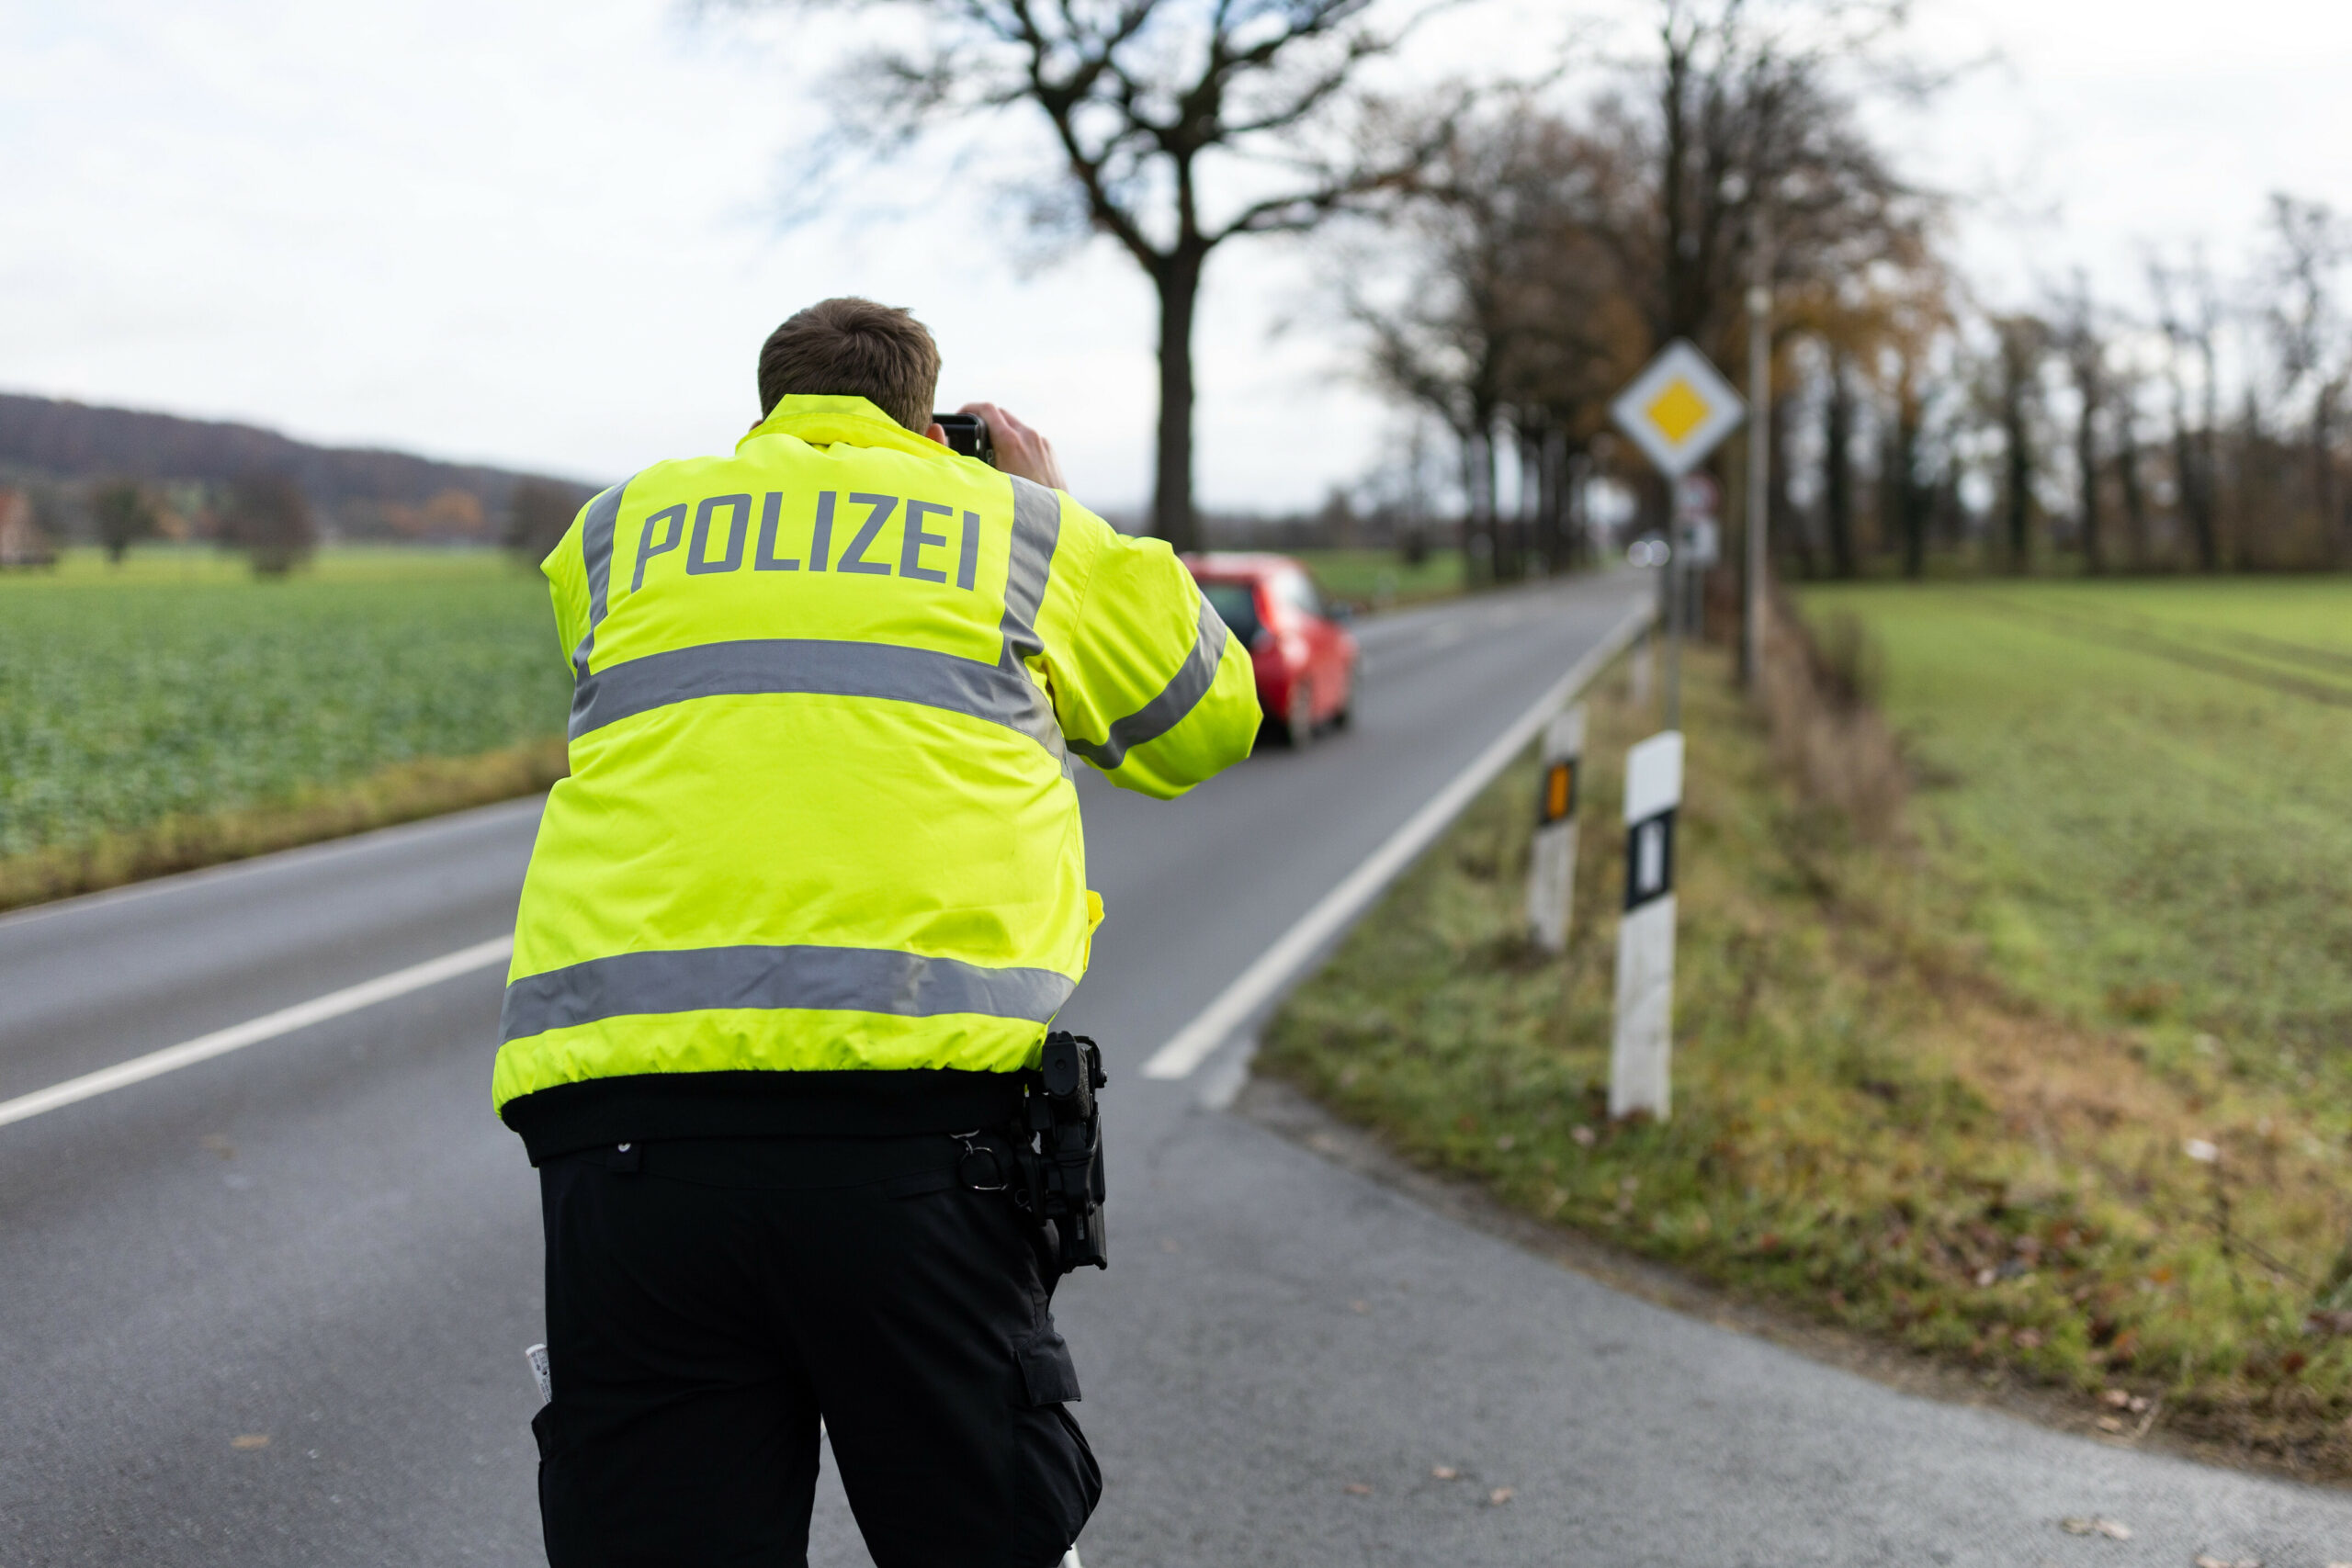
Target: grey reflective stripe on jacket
<point>1036,533</point>
<point>846,979</point>
<point>1165,712</point>
<point>596,555</point>
<point>810,666</point>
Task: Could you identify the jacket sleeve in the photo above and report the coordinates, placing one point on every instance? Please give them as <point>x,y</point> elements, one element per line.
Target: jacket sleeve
<point>1149,686</point>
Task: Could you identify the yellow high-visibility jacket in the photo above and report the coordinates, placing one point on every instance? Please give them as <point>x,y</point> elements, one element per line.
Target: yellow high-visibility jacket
<point>821,816</point>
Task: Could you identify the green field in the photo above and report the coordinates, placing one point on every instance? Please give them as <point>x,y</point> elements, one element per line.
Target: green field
<point>186,565</point>
<point>178,686</point>
<point>1380,577</point>
<point>2142,788</point>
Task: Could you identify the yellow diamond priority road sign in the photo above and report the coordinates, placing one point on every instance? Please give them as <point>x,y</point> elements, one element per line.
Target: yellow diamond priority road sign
<point>1678,409</point>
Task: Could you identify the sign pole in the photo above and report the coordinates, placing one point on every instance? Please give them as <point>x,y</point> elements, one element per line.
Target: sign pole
<point>1759,475</point>
<point>1552,875</point>
<point>1640,1058</point>
<point>1677,411</point>
<point>1671,579</point>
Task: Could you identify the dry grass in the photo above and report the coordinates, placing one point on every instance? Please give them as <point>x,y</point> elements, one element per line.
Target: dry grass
<point>1818,697</point>
<point>401,793</point>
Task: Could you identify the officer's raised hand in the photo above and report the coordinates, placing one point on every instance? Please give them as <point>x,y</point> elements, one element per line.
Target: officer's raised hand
<point>1019,449</point>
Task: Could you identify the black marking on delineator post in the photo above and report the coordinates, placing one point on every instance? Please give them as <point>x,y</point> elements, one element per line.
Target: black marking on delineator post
<point>1649,859</point>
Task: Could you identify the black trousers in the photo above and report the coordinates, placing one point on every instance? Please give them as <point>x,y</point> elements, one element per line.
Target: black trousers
<point>708,1301</point>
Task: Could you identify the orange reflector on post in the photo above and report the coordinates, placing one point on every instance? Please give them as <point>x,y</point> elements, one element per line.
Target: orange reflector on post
<point>1559,800</point>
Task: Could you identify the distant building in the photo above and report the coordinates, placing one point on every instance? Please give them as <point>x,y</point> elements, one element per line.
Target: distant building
<point>22,544</point>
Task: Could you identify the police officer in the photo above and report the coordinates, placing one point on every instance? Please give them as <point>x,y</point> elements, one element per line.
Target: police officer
<point>800,915</point>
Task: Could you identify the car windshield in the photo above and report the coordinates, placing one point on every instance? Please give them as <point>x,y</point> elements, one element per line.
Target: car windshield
<point>1236,605</point>
<point>1299,594</point>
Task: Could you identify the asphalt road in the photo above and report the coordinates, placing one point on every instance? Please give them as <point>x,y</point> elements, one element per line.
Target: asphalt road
<point>326,1240</point>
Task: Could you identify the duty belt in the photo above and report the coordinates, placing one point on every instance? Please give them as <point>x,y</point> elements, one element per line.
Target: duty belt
<point>1051,1166</point>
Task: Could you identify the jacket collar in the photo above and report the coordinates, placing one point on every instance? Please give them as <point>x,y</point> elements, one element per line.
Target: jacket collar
<point>853,422</point>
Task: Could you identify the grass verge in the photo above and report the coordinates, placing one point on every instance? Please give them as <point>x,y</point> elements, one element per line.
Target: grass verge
<point>1873,1124</point>
<point>401,793</point>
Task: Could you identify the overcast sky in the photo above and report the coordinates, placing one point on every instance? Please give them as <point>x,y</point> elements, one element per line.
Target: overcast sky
<point>540,234</point>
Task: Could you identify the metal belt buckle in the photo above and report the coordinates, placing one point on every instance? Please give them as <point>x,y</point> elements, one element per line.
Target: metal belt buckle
<point>971,1152</point>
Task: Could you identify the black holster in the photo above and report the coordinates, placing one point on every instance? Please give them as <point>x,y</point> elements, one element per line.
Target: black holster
<point>1056,1155</point>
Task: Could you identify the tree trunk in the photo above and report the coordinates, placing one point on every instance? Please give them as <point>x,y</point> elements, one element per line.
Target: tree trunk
<point>1480,567</point>
<point>1551,510</point>
<point>1673,110</point>
<point>1838,486</point>
<point>2209,459</point>
<point>2324,470</point>
<point>2135,495</point>
<point>2192,496</point>
<point>1913,498</point>
<point>2087,461</point>
<point>2249,476</point>
<point>1783,526</point>
<point>2019,465</point>
<point>1178,279</point>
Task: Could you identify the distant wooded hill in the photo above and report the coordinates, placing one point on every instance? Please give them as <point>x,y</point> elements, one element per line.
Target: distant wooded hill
<point>359,492</point>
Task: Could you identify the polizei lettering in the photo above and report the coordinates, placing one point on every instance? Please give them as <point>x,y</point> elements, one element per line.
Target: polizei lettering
<point>720,534</point>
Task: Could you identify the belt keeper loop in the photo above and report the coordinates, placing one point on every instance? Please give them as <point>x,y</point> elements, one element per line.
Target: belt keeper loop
<point>966,1176</point>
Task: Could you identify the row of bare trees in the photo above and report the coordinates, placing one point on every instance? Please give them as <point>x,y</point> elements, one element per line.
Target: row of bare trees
<point>1513,248</point>
<point>1556,246</point>
<point>266,514</point>
<point>1559,242</point>
<point>262,513</point>
<point>2198,426</point>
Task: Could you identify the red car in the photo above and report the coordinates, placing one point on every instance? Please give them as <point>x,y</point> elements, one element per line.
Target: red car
<point>1306,658</point>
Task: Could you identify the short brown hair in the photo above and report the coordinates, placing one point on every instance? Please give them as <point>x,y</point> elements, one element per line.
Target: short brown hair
<point>852,348</point>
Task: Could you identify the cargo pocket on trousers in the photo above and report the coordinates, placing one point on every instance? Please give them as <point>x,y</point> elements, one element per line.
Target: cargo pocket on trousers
<point>1061,1482</point>
<point>1048,1374</point>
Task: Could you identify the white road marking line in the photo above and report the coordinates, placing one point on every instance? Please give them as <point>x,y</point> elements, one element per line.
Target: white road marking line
<point>1258,985</point>
<point>269,1026</point>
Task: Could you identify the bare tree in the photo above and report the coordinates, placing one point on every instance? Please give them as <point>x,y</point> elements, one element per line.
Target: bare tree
<point>2309,246</point>
<point>1178,125</point>
<point>1765,172</point>
<point>1838,465</point>
<point>1908,496</point>
<point>270,519</point>
<point>537,514</point>
<point>2130,476</point>
<point>2189,327</point>
<point>1563,248</point>
<point>1513,328</point>
<point>2083,346</point>
<point>1755,146</point>
<point>2022,344</point>
<point>125,513</point>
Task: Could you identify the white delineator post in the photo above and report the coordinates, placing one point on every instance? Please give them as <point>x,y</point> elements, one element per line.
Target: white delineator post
<point>1641,1054</point>
<point>1552,874</point>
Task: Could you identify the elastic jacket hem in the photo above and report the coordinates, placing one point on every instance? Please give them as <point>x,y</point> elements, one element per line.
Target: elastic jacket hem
<point>647,1107</point>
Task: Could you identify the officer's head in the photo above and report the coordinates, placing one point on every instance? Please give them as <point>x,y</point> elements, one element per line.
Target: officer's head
<point>852,348</point>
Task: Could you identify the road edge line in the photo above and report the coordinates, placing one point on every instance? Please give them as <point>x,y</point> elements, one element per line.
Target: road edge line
<point>253,1032</point>
<point>1279,964</point>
